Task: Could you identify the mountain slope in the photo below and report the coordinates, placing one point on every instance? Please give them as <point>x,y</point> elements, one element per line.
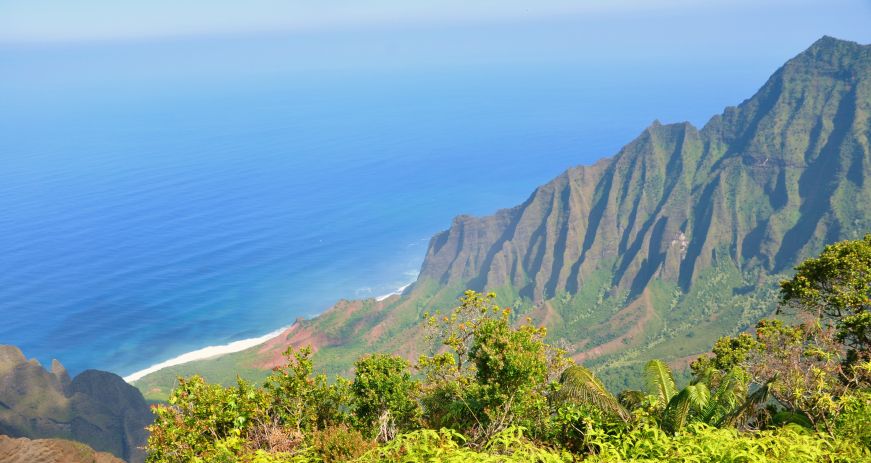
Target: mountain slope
<point>23,450</point>
<point>680,236</point>
<point>768,181</point>
<point>96,407</point>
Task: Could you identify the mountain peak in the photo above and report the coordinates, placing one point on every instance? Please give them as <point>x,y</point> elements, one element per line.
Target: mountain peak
<point>754,191</point>
<point>96,408</point>
<point>60,372</point>
<point>833,52</point>
<point>828,42</point>
<point>11,355</point>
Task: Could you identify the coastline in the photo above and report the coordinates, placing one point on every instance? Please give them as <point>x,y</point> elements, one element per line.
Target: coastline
<point>205,353</point>
<point>235,346</point>
<point>398,292</point>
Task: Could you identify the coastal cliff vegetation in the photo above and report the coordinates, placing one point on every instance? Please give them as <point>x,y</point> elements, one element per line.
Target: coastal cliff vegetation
<point>492,387</point>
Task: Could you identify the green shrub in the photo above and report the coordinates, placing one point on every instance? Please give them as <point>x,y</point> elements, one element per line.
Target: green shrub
<point>384,396</point>
<point>703,443</point>
<point>340,443</point>
<point>447,446</point>
<point>204,422</point>
<point>854,422</point>
<point>494,391</point>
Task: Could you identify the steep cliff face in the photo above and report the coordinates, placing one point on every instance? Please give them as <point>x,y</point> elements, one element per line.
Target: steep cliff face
<point>678,239</point>
<point>96,408</point>
<point>764,184</point>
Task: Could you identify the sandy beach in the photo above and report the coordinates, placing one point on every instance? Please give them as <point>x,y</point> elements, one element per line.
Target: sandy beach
<point>235,346</point>
<point>205,353</point>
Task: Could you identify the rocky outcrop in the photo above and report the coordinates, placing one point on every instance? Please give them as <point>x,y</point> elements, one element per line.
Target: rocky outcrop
<point>23,450</point>
<point>96,408</point>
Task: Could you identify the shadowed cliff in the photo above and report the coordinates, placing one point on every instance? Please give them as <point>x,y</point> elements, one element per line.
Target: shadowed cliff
<point>96,407</point>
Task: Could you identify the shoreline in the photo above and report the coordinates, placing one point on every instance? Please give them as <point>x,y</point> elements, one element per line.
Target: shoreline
<point>398,292</point>
<point>204,353</point>
<point>235,346</point>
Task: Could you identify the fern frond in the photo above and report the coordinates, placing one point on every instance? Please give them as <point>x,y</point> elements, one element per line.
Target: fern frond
<point>699,395</point>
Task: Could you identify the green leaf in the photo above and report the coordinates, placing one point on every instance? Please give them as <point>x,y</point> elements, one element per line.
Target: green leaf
<point>579,385</point>
<point>660,381</point>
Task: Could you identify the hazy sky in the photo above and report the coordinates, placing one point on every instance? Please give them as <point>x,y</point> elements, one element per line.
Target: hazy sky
<point>66,20</point>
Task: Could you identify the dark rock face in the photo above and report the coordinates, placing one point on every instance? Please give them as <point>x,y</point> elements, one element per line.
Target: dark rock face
<point>97,408</point>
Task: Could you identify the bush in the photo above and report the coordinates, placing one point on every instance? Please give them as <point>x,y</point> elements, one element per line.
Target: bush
<point>384,396</point>
<point>340,443</point>
<point>701,442</point>
<point>493,390</point>
<point>447,446</point>
<point>854,422</point>
<point>204,421</point>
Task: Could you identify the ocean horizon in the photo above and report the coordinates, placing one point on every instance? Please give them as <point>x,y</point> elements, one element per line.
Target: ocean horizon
<point>148,211</point>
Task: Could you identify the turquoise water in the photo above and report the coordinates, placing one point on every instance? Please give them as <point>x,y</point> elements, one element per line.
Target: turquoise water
<point>149,208</point>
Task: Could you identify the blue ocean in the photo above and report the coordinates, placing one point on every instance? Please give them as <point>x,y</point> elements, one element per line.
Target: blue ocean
<point>157,198</point>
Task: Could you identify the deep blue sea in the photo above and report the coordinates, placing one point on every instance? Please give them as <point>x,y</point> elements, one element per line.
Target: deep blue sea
<point>150,206</point>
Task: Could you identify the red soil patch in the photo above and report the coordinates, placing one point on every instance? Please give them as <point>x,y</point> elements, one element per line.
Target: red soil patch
<point>271,353</point>
<point>684,362</point>
<point>545,315</point>
<point>301,334</point>
<point>376,332</point>
<point>23,450</point>
<point>635,316</point>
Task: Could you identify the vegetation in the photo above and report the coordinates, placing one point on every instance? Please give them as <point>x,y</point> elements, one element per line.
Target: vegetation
<point>834,289</point>
<point>494,390</point>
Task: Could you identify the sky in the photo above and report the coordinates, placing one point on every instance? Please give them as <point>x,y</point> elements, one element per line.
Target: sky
<point>41,21</point>
<point>62,50</point>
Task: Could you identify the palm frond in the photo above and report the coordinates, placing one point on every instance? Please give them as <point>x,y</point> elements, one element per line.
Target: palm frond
<point>728,395</point>
<point>660,381</point>
<point>675,415</point>
<point>631,399</point>
<point>692,399</point>
<point>758,398</point>
<point>579,385</point>
<point>699,395</point>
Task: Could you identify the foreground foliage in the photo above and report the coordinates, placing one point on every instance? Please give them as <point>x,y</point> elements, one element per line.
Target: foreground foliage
<point>493,390</point>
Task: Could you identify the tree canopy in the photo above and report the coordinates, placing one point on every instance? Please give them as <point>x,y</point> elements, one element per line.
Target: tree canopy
<point>493,389</point>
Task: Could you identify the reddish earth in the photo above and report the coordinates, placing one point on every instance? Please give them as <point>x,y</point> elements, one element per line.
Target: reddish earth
<point>634,317</point>
<point>301,334</point>
<point>271,353</point>
<point>682,363</point>
<point>24,450</point>
<point>341,312</point>
<point>545,315</point>
<point>377,331</point>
